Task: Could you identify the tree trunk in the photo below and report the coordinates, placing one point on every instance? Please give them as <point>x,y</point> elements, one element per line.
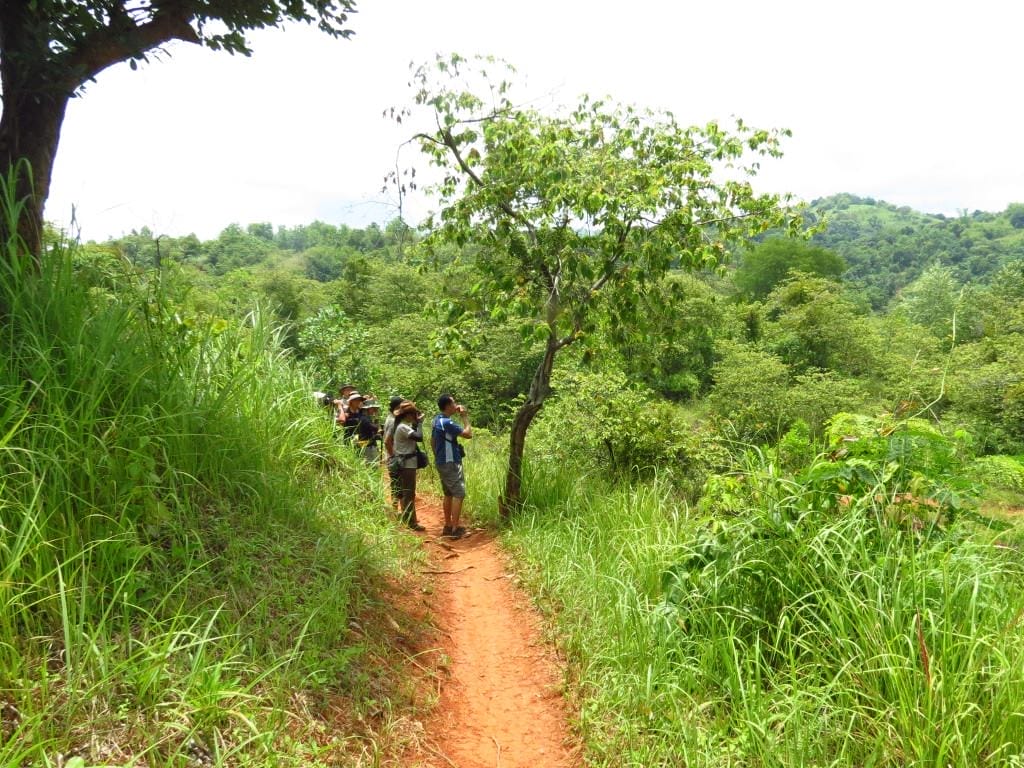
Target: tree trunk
<point>38,78</point>
<point>540,389</point>
<point>29,130</point>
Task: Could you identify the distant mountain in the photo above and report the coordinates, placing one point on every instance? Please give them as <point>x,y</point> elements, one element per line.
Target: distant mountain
<point>887,247</point>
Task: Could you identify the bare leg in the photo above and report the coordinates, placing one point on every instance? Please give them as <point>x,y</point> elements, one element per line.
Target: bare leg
<point>448,512</point>
<point>456,511</point>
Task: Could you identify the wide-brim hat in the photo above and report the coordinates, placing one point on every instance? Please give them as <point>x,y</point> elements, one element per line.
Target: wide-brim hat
<point>407,406</point>
<point>370,403</point>
<point>354,396</point>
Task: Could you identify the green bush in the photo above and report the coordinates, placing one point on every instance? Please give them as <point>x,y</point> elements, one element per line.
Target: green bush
<point>817,396</point>
<point>988,395</point>
<point>1001,472</point>
<point>750,393</point>
<point>601,422</point>
<point>908,464</point>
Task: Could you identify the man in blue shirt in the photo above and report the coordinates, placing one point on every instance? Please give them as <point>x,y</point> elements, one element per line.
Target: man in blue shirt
<point>445,436</point>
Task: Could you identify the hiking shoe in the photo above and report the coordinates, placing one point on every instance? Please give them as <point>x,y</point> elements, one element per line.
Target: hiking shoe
<point>446,531</point>
<point>417,527</point>
<point>458,533</point>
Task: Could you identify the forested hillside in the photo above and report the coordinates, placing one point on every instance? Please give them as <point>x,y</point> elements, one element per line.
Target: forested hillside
<point>867,318</point>
<point>888,247</point>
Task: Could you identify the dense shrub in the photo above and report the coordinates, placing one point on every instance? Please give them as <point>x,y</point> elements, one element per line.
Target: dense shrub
<point>1000,472</point>
<point>750,392</point>
<point>602,422</point>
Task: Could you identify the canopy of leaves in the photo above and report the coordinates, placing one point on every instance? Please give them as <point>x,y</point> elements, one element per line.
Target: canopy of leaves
<point>810,349</point>
<point>770,262</point>
<point>71,41</point>
<point>811,324</point>
<point>596,201</point>
<point>936,302</point>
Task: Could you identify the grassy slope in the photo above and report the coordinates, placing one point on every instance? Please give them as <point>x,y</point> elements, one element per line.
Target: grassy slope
<point>191,567</point>
<point>776,633</point>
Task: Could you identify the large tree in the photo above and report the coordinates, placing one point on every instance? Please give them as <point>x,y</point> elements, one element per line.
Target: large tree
<point>50,48</point>
<point>573,218</point>
<point>767,264</point>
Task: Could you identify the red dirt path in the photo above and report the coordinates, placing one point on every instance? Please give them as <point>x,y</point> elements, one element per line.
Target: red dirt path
<point>500,703</point>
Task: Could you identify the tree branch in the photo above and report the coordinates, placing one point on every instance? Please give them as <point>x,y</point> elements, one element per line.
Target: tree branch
<point>449,141</point>
<point>621,246</point>
<point>428,137</point>
<point>573,335</point>
<point>121,40</point>
<point>722,219</point>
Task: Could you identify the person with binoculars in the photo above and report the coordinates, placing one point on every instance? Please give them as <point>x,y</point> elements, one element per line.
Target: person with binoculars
<point>408,431</point>
<point>448,455</point>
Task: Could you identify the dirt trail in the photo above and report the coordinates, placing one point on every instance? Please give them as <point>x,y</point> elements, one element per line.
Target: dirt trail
<point>500,703</point>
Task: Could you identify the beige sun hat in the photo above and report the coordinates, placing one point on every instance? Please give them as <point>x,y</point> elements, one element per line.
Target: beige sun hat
<point>406,406</point>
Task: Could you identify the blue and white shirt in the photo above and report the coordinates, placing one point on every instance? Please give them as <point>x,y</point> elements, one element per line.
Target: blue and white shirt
<point>444,438</point>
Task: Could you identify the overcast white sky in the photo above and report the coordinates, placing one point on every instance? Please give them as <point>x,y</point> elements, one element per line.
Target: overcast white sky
<point>915,103</point>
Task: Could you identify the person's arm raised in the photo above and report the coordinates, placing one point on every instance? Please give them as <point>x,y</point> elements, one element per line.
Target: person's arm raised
<point>467,430</point>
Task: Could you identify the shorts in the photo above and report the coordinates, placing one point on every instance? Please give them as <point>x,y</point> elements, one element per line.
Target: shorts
<point>453,480</point>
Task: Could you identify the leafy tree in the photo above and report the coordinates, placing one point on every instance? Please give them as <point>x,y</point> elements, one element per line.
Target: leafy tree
<point>287,296</point>
<point>373,238</point>
<point>770,262</point>
<point>621,429</point>
<point>144,249</point>
<point>817,396</point>
<point>751,392</point>
<point>986,391</point>
<point>234,248</point>
<point>49,49</point>
<point>292,238</point>
<point>335,348</point>
<point>578,213</point>
<point>490,377</point>
<point>676,361</point>
<point>264,230</point>
<point>909,366</point>
<point>1008,282</point>
<point>398,234</point>
<point>324,263</point>
<point>937,303</point>
<point>372,290</point>
<point>813,325</point>
<point>139,247</point>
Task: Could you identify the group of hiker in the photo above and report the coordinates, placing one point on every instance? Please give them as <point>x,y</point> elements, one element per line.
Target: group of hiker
<point>401,435</point>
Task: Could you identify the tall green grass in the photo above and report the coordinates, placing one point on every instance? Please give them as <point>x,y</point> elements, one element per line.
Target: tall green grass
<point>777,633</point>
<point>186,554</point>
